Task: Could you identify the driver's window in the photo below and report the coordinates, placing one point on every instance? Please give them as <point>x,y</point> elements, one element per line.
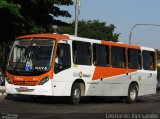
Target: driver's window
<point>63,57</point>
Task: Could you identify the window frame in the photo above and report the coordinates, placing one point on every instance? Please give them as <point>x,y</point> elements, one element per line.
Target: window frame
<point>154,60</point>
<point>95,52</point>
<point>90,53</point>
<point>139,66</point>
<point>124,62</point>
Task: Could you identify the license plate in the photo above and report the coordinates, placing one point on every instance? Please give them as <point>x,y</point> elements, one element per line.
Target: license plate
<point>23,89</point>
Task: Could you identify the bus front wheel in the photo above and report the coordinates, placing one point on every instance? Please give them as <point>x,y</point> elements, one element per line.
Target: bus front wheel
<point>75,94</point>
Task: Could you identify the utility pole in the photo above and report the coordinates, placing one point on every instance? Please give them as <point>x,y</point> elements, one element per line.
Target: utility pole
<point>77,5</point>
<point>130,35</point>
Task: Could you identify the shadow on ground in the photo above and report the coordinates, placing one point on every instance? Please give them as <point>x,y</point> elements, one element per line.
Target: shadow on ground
<point>65,100</point>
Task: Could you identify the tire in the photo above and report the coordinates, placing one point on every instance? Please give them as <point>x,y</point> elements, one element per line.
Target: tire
<point>75,94</point>
<point>132,94</point>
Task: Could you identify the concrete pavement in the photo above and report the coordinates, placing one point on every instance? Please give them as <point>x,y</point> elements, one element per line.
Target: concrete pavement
<point>91,108</point>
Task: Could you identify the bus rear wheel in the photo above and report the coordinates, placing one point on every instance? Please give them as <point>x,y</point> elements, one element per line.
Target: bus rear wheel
<point>75,94</point>
<point>132,94</point>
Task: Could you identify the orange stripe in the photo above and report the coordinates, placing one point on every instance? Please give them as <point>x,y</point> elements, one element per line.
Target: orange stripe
<point>120,45</point>
<point>105,72</point>
<point>45,35</point>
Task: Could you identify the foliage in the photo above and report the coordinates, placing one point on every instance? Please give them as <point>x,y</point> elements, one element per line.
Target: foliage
<point>20,17</point>
<point>91,29</point>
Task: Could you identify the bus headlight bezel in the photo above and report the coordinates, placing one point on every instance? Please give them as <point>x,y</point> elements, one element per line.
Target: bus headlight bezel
<point>44,80</point>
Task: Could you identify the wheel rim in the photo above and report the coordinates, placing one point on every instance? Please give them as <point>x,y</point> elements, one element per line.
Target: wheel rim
<point>133,94</point>
<point>77,94</point>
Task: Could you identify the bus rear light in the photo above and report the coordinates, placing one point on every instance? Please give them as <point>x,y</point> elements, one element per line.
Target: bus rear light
<point>44,80</point>
<point>8,80</point>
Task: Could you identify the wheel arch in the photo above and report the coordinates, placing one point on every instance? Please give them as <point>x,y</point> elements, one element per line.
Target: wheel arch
<point>82,85</point>
<point>134,83</point>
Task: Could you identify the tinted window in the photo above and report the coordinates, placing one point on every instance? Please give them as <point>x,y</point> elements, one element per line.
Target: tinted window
<point>118,57</point>
<point>148,60</point>
<point>100,55</point>
<point>134,59</point>
<point>63,53</point>
<point>62,60</point>
<point>81,53</point>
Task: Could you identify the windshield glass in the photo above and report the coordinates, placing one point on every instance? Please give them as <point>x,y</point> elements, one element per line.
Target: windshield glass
<point>31,56</point>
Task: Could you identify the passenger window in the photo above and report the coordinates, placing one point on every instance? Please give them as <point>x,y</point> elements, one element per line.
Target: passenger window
<point>62,59</point>
<point>148,60</point>
<point>100,55</point>
<point>134,59</point>
<point>81,53</point>
<point>118,57</point>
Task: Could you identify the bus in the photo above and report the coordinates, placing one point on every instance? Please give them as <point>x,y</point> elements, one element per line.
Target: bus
<point>70,66</point>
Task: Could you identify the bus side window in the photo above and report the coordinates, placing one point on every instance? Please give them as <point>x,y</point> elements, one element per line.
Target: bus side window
<point>134,59</point>
<point>118,57</point>
<point>81,53</point>
<point>62,58</point>
<point>148,60</point>
<point>100,55</point>
<point>74,52</point>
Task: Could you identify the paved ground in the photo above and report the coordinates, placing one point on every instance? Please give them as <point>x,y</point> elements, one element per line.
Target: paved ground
<point>58,108</point>
<point>2,90</point>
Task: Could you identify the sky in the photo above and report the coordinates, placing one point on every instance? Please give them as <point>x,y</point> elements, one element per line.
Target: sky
<point>124,14</point>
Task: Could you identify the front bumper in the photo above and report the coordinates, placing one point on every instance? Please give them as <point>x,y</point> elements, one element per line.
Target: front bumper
<point>45,89</point>
<point>50,88</point>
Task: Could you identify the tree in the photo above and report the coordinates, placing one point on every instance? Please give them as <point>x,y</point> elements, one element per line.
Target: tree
<point>19,17</point>
<point>91,29</point>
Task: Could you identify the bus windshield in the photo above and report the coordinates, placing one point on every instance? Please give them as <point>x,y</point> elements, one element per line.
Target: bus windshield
<point>31,56</point>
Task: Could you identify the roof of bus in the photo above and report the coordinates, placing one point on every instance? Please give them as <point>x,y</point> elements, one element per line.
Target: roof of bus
<point>45,35</point>
<point>120,44</point>
<point>59,37</point>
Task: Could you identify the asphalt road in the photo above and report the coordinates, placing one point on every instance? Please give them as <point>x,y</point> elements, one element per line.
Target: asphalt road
<point>94,108</point>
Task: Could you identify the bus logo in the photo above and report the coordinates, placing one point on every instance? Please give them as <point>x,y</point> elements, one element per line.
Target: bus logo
<point>80,74</point>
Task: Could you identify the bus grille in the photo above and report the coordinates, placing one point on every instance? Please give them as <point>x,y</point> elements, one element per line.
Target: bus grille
<point>26,83</point>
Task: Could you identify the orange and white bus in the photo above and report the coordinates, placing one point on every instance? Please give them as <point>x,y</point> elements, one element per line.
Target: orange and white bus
<point>65,65</point>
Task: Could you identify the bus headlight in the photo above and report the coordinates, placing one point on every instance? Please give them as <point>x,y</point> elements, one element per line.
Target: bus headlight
<point>8,80</point>
<point>44,80</point>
